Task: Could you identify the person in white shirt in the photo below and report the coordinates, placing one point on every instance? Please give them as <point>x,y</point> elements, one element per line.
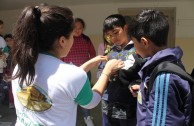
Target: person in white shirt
<point>47,90</point>
<point>2,55</point>
<point>2,46</point>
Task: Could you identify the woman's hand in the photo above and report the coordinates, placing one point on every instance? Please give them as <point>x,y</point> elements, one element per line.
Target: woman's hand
<point>113,65</point>
<point>96,60</point>
<point>93,62</point>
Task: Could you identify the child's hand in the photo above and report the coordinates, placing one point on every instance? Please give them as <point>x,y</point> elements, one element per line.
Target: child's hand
<point>134,90</point>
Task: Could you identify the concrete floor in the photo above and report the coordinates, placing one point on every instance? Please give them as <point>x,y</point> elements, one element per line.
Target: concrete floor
<point>9,116</point>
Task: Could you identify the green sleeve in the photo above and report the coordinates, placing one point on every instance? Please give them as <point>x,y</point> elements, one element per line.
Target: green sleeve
<point>85,95</point>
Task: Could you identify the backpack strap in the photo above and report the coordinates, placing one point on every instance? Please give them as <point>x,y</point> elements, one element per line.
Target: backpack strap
<point>168,67</point>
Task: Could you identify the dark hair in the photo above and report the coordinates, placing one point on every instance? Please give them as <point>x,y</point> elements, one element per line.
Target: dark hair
<point>8,36</point>
<point>152,24</point>
<point>36,31</point>
<point>81,21</point>
<point>112,21</point>
<point>1,22</point>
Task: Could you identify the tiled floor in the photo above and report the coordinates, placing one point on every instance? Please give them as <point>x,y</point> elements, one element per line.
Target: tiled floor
<point>9,116</point>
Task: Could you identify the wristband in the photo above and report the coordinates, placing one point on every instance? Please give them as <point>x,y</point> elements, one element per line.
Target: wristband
<point>105,74</point>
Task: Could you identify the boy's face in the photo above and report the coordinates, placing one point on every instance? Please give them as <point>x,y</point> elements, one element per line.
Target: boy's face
<point>118,36</point>
<point>9,41</point>
<point>140,47</point>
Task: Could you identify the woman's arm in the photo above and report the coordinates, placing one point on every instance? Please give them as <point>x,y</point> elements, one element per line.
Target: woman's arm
<point>93,62</point>
<point>110,67</point>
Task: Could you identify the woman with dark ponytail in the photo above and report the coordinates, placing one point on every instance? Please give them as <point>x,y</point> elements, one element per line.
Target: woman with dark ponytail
<point>46,90</point>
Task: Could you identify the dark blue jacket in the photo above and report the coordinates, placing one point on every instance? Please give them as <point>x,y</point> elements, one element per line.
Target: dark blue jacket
<point>116,90</point>
<point>169,102</point>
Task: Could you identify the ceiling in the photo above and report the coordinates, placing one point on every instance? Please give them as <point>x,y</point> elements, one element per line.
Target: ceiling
<point>19,4</point>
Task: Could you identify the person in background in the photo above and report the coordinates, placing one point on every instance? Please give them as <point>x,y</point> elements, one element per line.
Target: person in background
<point>81,51</point>
<point>2,41</point>
<point>8,69</point>
<point>121,105</point>
<point>47,90</point>
<point>2,55</point>
<point>169,101</point>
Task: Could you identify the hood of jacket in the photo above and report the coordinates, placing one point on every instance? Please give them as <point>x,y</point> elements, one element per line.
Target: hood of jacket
<point>168,54</point>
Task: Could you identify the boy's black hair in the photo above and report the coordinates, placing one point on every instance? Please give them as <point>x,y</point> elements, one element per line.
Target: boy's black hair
<point>112,21</point>
<point>152,24</point>
<point>8,36</point>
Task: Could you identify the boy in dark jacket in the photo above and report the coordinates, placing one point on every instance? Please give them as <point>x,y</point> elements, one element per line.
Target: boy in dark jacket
<point>169,101</point>
<point>121,105</point>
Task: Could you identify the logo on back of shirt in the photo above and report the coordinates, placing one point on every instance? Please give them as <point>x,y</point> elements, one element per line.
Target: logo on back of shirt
<point>34,98</point>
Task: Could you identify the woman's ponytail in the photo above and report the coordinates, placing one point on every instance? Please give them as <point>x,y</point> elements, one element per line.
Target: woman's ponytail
<point>26,48</point>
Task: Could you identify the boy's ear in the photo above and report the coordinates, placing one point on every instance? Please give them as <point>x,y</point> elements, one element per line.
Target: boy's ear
<point>126,27</point>
<point>145,41</point>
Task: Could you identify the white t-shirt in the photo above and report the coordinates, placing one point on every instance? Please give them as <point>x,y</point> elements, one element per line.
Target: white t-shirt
<point>53,97</point>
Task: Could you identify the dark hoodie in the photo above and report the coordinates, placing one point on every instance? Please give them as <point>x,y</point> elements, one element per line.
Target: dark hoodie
<point>169,102</point>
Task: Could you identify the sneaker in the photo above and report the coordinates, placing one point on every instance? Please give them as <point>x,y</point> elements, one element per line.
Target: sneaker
<point>88,121</point>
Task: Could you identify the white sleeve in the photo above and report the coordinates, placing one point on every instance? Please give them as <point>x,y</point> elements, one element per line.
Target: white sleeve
<point>94,102</point>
